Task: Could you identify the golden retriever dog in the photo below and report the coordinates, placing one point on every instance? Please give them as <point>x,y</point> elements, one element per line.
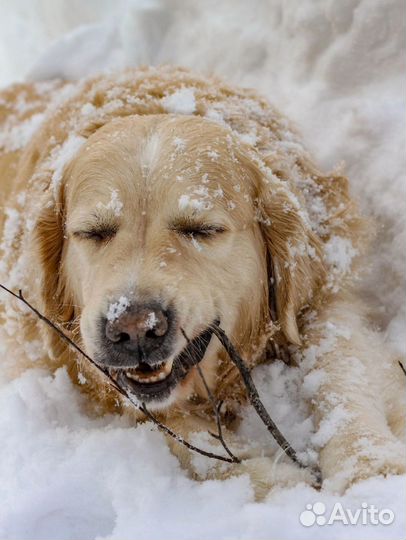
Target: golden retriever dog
<point>146,206</point>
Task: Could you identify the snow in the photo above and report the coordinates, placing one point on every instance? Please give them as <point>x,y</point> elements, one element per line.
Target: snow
<point>61,156</point>
<point>66,475</point>
<point>152,320</point>
<point>196,203</point>
<point>329,425</point>
<point>18,136</point>
<point>82,379</point>
<point>11,227</point>
<point>197,245</point>
<point>184,201</point>
<point>180,102</point>
<point>179,143</point>
<point>336,69</point>
<point>116,309</point>
<point>339,252</point>
<point>114,204</point>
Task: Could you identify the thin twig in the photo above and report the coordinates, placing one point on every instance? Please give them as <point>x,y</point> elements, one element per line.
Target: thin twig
<point>402,367</point>
<point>162,427</point>
<point>20,296</point>
<point>257,403</point>
<point>216,409</point>
<point>183,441</point>
<point>254,396</point>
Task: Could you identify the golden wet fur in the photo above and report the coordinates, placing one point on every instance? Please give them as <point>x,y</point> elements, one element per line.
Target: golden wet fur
<point>231,161</point>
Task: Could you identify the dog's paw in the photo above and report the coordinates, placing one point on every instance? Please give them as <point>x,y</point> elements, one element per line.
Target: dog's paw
<point>370,459</point>
<point>265,473</point>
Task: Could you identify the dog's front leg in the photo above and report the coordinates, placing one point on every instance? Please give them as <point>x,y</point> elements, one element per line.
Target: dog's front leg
<point>264,471</point>
<point>357,393</point>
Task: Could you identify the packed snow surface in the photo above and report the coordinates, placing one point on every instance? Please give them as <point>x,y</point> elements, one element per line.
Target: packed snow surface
<point>336,68</point>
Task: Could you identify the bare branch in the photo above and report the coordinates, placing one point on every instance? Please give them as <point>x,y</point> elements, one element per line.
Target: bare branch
<point>254,396</point>
<point>216,409</point>
<point>42,317</point>
<point>181,440</point>
<point>402,367</point>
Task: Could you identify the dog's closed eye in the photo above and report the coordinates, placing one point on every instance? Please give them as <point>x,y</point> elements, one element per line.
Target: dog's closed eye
<point>200,230</point>
<point>97,234</point>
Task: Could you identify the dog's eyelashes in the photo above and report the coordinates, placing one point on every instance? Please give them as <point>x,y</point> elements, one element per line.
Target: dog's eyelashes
<point>96,235</point>
<point>203,231</point>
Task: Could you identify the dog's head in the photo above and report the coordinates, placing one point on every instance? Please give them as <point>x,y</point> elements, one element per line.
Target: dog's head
<point>166,225</point>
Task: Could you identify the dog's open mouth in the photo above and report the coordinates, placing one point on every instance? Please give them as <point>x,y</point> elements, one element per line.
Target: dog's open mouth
<point>155,384</point>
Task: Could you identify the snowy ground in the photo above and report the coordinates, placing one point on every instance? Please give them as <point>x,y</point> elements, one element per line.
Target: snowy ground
<point>336,68</point>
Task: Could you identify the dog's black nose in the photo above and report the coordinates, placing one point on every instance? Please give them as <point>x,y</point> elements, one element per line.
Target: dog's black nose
<point>142,331</point>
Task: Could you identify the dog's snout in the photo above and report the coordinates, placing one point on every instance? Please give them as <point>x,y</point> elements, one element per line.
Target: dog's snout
<point>140,334</point>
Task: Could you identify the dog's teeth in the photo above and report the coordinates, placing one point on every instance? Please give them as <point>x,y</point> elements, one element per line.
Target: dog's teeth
<point>167,368</point>
<point>161,374</point>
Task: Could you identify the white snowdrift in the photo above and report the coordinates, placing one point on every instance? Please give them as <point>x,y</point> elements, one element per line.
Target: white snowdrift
<point>67,476</point>
<point>336,68</point>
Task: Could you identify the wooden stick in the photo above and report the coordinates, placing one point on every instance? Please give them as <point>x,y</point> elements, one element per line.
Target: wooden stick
<point>258,405</point>
<point>216,409</point>
<point>183,441</point>
<point>254,396</point>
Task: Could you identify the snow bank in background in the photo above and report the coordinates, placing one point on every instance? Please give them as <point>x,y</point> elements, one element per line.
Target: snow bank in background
<point>337,70</point>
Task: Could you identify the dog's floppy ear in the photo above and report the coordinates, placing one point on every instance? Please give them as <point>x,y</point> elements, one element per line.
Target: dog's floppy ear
<point>295,268</point>
<point>52,295</point>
